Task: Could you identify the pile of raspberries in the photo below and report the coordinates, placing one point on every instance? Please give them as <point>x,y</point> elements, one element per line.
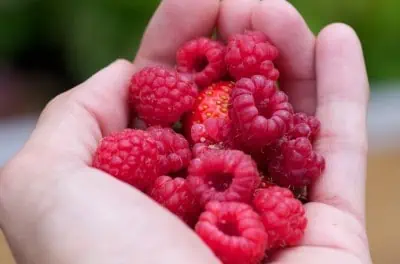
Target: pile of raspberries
<point>217,143</point>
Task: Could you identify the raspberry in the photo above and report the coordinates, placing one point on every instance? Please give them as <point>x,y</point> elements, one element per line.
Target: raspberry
<point>199,134</point>
<point>130,156</point>
<point>160,96</point>
<point>304,126</point>
<point>173,149</point>
<point>260,113</point>
<point>213,131</point>
<point>202,58</point>
<point>297,165</point>
<point>251,54</point>
<point>174,194</point>
<point>223,175</point>
<point>233,231</point>
<point>283,216</point>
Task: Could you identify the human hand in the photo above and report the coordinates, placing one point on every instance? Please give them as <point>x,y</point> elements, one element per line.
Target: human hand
<point>55,208</point>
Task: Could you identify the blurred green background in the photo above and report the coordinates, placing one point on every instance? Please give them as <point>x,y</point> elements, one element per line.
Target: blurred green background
<point>77,37</point>
<point>47,46</point>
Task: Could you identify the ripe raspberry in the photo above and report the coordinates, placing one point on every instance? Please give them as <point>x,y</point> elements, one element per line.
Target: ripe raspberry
<point>251,54</point>
<point>260,113</point>
<point>233,231</point>
<point>283,216</point>
<point>130,156</point>
<point>174,194</point>
<point>304,126</point>
<point>297,165</point>
<point>160,96</point>
<point>223,175</point>
<point>173,149</point>
<point>202,58</point>
<point>213,131</point>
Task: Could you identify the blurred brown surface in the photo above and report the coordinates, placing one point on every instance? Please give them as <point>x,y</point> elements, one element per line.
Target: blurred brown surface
<point>383,198</point>
<point>383,207</point>
<point>5,256</point>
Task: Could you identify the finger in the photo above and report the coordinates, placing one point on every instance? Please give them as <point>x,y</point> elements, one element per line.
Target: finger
<point>73,122</point>
<point>235,16</point>
<point>342,105</point>
<point>289,32</point>
<point>174,23</point>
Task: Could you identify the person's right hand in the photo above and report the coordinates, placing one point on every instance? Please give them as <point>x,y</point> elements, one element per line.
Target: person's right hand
<point>55,208</point>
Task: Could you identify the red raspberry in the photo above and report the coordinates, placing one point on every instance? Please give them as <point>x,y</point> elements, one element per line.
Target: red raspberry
<point>174,194</point>
<point>234,232</point>
<point>161,96</point>
<point>305,126</point>
<point>251,54</point>
<point>213,131</point>
<point>297,165</point>
<point>283,216</point>
<point>223,175</point>
<point>129,155</point>
<point>173,149</point>
<point>259,112</point>
<point>202,58</point>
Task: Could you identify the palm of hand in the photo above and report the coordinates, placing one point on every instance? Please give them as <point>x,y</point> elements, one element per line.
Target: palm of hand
<point>72,200</point>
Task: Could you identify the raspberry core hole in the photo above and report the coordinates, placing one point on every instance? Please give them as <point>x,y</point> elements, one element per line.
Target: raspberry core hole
<point>182,173</point>
<point>200,63</point>
<point>228,227</point>
<point>263,107</point>
<point>220,181</point>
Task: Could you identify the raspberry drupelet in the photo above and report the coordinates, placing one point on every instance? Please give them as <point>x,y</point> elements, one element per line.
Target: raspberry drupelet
<point>214,131</point>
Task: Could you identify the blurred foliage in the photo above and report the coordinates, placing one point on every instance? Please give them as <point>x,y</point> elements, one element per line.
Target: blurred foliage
<point>376,23</point>
<point>88,34</point>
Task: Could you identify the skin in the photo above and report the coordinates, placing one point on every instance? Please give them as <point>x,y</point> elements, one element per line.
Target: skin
<point>54,208</point>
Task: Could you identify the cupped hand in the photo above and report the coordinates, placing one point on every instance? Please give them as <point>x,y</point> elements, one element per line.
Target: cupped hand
<point>55,208</point>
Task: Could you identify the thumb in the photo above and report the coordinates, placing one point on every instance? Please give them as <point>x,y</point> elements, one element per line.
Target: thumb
<point>73,122</point>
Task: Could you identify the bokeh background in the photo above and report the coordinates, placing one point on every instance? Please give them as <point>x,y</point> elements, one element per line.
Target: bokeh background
<point>48,46</point>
